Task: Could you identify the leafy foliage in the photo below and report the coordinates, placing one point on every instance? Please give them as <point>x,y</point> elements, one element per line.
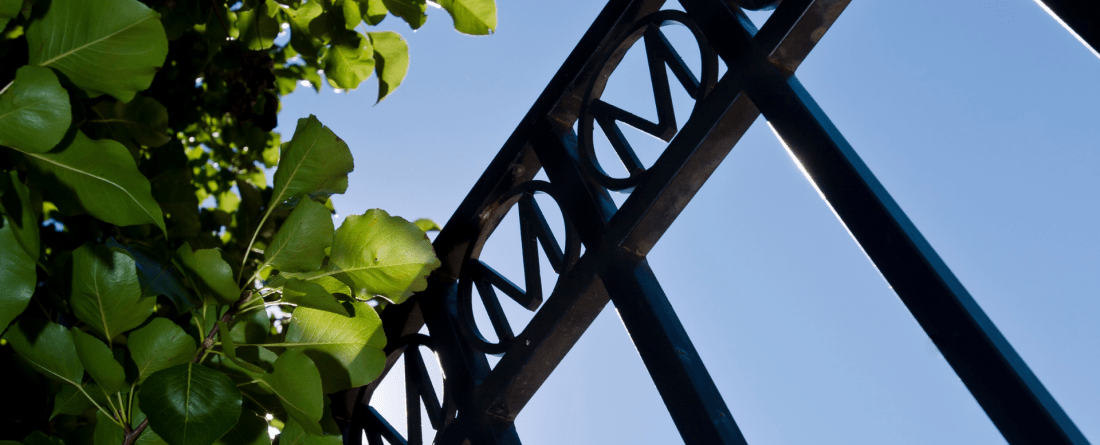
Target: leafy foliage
<point>141,247</point>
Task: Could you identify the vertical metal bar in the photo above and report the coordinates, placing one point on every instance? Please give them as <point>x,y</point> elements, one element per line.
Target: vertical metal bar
<point>678,372</point>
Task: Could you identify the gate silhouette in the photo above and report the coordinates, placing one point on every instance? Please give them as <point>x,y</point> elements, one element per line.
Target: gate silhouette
<point>479,403</point>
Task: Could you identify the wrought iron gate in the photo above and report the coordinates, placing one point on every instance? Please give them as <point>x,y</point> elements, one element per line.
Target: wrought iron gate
<point>479,404</point>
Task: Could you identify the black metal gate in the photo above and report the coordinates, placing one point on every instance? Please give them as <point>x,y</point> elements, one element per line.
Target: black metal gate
<point>479,403</point>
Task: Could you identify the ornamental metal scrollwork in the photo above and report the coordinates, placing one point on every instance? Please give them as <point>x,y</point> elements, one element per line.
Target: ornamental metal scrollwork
<point>659,53</point>
<point>534,230</point>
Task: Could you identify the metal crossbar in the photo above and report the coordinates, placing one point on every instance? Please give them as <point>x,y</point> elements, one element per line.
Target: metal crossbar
<point>479,403</point>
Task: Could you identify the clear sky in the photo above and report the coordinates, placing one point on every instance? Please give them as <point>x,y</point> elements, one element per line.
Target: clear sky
<point>979,117</point>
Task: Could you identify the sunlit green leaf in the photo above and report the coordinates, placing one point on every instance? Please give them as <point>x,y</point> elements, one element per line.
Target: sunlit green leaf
<point>101,177</point>
<point>350,10</point>
<point>106,294</point>
<point>141,121</point>
<point>427,225</point>
<point>34,110</point>
<point>300,243</point>
<point>413,12</point>
<point>379,254</point>
<point>349,60</point>
<point>47,347</point>
<point>347,350</point>
<point>312,295</point>
<point>209,273</point>
<point>391,60</point>
<point>373,11</point>
<point>99,362</point>
<point>190,404</point>
<point>102,46</point>
<point>159,345</point>
<point>316,162</point>
<point>259,26</point>
<point>477,17</point>
<point>297,383</point>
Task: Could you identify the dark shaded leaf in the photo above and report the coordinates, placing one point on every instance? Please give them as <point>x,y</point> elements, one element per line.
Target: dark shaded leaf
<point>48,348</point>
<point>102,46</point>
<point>106,294</point>
<point>209,274</point>
<point>159,345</point>
<point>99,362</point>
<point>102,178</point>
<point>34,111</point>
<point>190,404</point>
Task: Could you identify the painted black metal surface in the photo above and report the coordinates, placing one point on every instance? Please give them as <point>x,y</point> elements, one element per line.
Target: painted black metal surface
<point>479,403</point>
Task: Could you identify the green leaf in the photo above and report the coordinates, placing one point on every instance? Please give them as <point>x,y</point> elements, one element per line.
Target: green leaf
<point>347,350</point>
<point>294,434</point>
<point>9,9</point>
<point>99,362</point>
<point>40,438</point>
<point>48,348</point>
<point>312,295</point>
<point>141,121</point>
<point>190,404</point>
<point>413,12</point>
<point>149,437</point>
<point>350,9</point>
<point>34,111</point>
<point>17,274</point>
<point>379,254</point>
<point>251,429</point>
<point>70,400</point>
<point>348,61</point>
<point>229,346</point>
<point>300,244</point>
<point>107,432</point>
<point>156,278</point>
<point>103,46</point>
<point>159,345</point>
<point>209,273</point>
<point>316,162</point>
<point>106,294</point>
<point>103,179</point>
<point>15,202</point>
<point>477,17</point>
<point>373,11</point>
<point>427,225</point>
<point>391,60</point>
<point>297,383</point>
<point>258,26</point>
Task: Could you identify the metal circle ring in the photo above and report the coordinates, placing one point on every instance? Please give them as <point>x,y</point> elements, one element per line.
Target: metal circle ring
<point>467,324</point>
<point>586,119</point>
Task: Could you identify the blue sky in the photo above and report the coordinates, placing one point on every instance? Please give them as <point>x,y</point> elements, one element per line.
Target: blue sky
<point>979,117</point>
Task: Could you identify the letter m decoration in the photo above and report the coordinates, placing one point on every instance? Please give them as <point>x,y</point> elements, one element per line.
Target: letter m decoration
<point>602,256</point>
